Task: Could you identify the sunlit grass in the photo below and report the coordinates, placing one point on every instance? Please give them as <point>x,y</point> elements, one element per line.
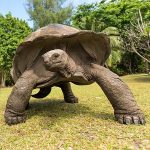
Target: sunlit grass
<point>88,125</point>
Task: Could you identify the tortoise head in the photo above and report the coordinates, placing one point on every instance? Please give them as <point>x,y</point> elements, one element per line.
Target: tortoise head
<point>55,59</point>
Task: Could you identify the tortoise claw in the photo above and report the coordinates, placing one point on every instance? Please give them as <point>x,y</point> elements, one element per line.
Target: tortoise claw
<point>12,119</point>
<point>127,120</point>
<point>130,119</point>
<point>15,120</point>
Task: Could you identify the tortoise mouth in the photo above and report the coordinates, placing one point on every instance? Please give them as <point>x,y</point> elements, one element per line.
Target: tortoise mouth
<point>53,64</point>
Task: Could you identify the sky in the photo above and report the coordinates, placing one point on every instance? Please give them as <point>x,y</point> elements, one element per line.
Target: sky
<point>17,8</point>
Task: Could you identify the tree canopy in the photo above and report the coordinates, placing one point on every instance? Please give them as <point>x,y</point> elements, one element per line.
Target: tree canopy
<point>131,18</point>
<point>12,32</point>
<point>116,13</point>
<point>43,12</point>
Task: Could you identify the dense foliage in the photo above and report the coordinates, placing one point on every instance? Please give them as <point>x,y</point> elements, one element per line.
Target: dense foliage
<point>12,32</point>
<point>116,13</point>
<point>131,18</point>
<point>43,12</point>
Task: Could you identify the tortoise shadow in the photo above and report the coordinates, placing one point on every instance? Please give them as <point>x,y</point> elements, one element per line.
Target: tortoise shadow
<point>57,108</point>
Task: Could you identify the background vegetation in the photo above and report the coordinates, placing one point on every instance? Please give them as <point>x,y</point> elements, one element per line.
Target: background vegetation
<point>44,12</point>
<point>126,22</point>
<point>12,33</point>
<point>131,22</point>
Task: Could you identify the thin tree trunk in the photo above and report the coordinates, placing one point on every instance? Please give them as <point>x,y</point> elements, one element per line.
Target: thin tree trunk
<point>147,69</point>
<point>134,49</point>
<point>141,19</point>
<point>2,79</point>
<point>130,67</point>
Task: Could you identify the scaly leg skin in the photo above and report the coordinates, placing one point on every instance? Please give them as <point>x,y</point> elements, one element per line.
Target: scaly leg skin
<point>125,107</point>
<point>19,98</point>
<point>67,92</point>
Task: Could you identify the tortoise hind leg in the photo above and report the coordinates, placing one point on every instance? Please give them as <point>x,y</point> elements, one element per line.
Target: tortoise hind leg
<point>125,108</point>
<point>41,94</point>
<point>67,92</point>
<point>19,98</point>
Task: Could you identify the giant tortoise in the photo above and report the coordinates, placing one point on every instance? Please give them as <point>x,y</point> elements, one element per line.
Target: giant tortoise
<point>58,54</point>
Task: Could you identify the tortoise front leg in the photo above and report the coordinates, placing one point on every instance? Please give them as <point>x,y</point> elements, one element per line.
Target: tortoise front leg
<point>125,107</point>
<point>69,97</point>
<point>19,98</point>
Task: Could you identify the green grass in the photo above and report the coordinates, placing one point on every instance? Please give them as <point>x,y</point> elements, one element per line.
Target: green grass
<point>88,125</point>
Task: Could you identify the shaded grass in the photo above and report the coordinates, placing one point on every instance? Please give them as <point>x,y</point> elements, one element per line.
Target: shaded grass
<point>88,125</point>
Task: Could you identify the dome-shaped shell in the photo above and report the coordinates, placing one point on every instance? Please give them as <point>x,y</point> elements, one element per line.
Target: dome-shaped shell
<point>81,45</point>
<point>52,30</point>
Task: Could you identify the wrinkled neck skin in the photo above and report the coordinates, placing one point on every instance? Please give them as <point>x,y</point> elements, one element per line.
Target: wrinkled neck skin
<point>69,68</point>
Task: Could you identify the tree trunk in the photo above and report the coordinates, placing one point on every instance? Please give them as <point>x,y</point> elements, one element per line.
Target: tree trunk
<point>130,66</point>
<point>2,79</point>
<point>147,67</point>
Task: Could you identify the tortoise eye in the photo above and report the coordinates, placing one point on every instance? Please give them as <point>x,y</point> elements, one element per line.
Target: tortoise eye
<point>56,55</point>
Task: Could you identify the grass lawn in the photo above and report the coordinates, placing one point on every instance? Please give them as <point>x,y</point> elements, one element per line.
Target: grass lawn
<point>88,125</point>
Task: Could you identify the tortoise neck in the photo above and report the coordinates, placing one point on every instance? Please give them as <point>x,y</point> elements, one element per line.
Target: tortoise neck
<point>69,68</point>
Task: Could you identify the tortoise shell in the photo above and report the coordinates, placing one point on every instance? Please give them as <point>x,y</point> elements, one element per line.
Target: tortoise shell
<point>82,45</point>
